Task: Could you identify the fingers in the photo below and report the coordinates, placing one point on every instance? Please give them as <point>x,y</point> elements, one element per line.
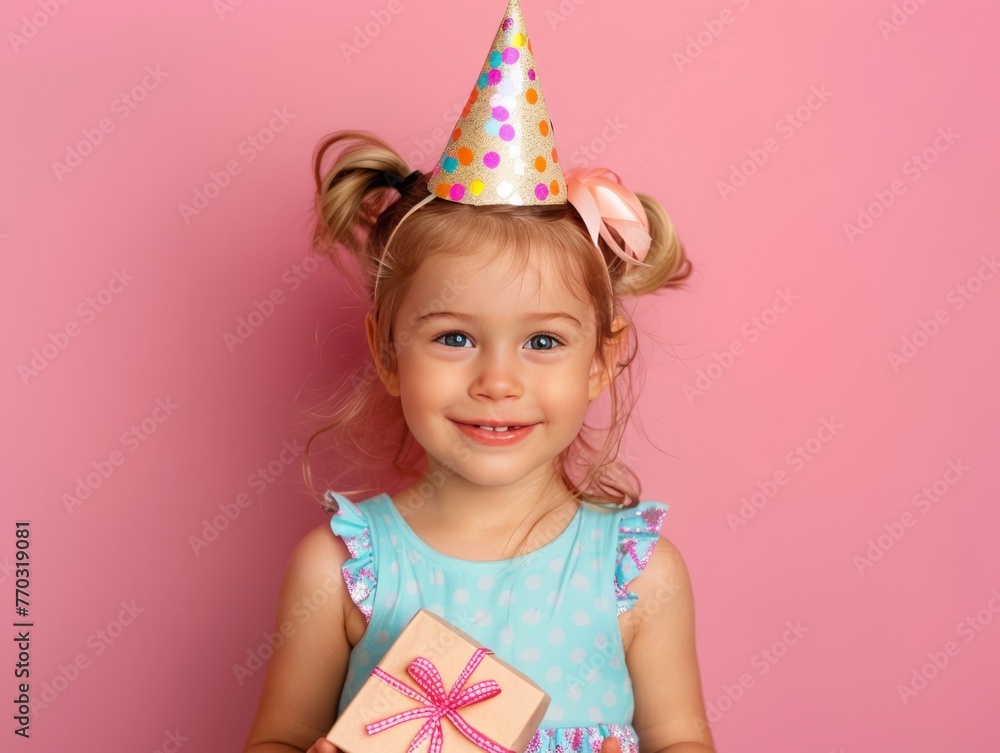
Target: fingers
<point>611,745</point>
<point>325,746</point>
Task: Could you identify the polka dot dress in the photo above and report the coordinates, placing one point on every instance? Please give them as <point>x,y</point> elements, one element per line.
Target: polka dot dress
<point>552,613</point>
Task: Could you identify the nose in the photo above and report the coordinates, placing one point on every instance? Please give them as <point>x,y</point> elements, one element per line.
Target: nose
<point>497,375</point>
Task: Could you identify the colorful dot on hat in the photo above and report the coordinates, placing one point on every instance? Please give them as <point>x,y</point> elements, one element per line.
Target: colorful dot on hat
<point>532,96</point>
<point>510,86</point>
<point>519,40</point>
<point>555,155</point>
<point>491,160</point>
<point>543,127</point>
<point>466,110</point>
<point>507,132</point>
<point>482,81</point>
<point>476,187</point>
<point>508,23</point>
<point>554,187</point>
<point>492,126</point>
<point>541,191</point>
<point>465,155</point>
<point>500,113</point>
<point>531,74</point>
<point>529,48</point>
<point>457,192</point>
<point>495,77</point>
<point>504,189</point>
<point>442,190</point>
<point>511,55</point>
<point>450,164</point>
<point>540,164</point>
<point>457,134</point>
<point>495,59</point>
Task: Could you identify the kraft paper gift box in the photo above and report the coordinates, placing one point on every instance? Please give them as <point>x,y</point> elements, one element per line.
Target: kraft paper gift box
<point>431,661</point>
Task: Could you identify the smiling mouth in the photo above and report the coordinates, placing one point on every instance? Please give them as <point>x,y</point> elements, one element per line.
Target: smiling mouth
<point>493,427</point>
<point>495,435</point>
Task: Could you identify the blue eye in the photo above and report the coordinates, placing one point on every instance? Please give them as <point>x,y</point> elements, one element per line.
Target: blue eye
<point>545,342</point>
<point>461,340</point>
<point>453,339</point>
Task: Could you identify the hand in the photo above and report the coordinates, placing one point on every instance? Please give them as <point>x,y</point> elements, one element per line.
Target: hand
<point>611,745</point>
<point>325,746</point>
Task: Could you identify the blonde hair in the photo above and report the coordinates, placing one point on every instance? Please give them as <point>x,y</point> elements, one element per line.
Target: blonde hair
<point>357,210</point>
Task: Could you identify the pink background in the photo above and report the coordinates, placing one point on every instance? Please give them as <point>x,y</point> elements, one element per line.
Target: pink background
<point>718,427</point>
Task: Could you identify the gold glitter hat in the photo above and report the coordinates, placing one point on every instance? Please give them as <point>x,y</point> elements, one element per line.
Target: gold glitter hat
<point>502,151</point>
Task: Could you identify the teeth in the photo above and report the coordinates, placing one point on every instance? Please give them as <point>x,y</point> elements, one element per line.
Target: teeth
<point>498,428</point>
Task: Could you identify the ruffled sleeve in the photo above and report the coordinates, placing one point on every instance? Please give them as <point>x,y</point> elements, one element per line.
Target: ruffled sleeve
<point>638,530</point>
<point>350,524</point>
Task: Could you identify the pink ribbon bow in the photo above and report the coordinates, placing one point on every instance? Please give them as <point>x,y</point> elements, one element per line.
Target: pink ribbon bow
<point>601,200</point>
<point>438,703</point>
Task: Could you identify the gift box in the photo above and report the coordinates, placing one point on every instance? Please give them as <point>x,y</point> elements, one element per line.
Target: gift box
<point>438,690</point>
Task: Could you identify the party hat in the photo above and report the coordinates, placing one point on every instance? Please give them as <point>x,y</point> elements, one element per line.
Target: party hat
<point>502,149</point>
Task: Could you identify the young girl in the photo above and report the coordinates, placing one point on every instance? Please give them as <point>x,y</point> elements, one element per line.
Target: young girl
<point>495,323</point>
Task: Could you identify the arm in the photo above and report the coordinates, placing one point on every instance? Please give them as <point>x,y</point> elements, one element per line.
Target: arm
<point>662,660</point>
<point>305,675</point>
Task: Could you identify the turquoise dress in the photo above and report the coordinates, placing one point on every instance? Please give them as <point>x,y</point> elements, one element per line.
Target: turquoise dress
<point>552,613</point>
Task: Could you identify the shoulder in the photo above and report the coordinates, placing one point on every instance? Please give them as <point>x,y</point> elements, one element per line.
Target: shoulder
<point>664,586</point>
<point>321,547</point>
<point>315,568</point>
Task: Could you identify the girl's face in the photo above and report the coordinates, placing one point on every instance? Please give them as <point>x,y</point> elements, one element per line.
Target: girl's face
<point>478,344</point>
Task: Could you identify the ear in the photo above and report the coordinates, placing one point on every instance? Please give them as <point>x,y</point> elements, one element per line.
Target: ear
<point>602,372</point>
<point>389,377</point>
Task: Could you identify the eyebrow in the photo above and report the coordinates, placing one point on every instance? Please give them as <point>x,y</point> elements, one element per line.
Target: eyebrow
<point>536,317</point>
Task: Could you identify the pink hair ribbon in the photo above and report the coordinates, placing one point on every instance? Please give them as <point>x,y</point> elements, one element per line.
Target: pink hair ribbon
<point>438,704</point>
<point>602,201</point>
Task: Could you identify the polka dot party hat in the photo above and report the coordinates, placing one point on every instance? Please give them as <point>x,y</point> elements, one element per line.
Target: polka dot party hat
<point>502,149</point>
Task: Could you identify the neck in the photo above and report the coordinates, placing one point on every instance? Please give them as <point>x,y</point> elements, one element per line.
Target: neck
<point>508,510</point>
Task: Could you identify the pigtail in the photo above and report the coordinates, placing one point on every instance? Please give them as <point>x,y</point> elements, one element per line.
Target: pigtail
<point>669,266</point>
<point>353,194</point>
